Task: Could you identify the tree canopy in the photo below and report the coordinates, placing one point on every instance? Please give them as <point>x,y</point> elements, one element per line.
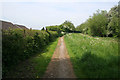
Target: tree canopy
<point>102,23</point>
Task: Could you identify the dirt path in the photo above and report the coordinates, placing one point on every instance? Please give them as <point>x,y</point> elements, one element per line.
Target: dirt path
<point>60,65</point>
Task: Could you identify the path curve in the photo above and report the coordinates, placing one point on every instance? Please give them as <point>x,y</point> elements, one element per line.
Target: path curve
<point>60,65</point>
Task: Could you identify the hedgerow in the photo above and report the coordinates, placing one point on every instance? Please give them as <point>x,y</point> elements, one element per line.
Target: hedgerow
<point>19,45</point>
<point>102,23</point>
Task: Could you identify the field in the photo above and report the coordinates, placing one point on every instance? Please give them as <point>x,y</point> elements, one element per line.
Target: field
<point>93,57</point>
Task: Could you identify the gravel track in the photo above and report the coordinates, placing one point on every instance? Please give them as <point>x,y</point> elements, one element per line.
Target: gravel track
<point>60,65</point>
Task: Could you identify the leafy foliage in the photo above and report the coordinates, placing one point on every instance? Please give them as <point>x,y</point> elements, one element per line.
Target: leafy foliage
<point>19,45</point>
<point>67,26</point>
<point>113,26</point>
<point>55,28</point>
<point>98,23</point>
<point>102,24</point>
<point>83,28</point>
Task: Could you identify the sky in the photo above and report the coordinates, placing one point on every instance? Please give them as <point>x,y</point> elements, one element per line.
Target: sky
<point>36,14</point>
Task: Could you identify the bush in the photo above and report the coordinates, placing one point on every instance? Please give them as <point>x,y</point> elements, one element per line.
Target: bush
<point>19,45</point>
<point>55,28</point>
<point>67,26</point>
<point>62,29</point>
<point>113,28</point>
<point>98,23</point>
<point>83,28</point>
<point>102,24</point>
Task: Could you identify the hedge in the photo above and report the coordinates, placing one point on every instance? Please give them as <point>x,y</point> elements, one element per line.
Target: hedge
<point>18,45</point>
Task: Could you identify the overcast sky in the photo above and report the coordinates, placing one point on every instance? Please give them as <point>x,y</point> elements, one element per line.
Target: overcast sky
<point>40,13</point>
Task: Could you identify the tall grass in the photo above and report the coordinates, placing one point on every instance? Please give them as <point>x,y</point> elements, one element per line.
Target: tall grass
<point>93,57</point>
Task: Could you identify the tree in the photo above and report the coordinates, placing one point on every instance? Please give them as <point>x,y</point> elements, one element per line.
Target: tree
<point>83,28</point>
<point>43,28</point>
<point>103,23</point>
<point>98,23</point>
<point>67,26</point>
<point>55,28</point>
<point>113,26</point>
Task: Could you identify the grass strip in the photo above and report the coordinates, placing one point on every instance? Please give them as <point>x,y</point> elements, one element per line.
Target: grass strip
<point>41,61</point>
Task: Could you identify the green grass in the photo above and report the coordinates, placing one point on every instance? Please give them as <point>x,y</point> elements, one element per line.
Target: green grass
<point>42,60</point>
<point>93,57</point>
<point>35,66</point>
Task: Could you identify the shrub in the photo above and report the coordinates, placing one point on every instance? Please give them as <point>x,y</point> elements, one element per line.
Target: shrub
<point>98,23</point>
<point>19,45</point>
<point>102,24</point>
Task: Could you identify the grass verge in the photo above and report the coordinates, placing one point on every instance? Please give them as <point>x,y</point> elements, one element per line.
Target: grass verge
<point>42,60</point>
<point>93,57</point>
<point>35,66</point>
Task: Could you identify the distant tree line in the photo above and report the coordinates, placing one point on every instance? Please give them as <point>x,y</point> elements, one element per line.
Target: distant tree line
<point>102,23</point>
<point>62,29</point>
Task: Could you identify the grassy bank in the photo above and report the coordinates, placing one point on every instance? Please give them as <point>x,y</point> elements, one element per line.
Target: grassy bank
<point>36,66</point>
<point>93,57</point>
<point>18,45</point>
<point>42,60</point>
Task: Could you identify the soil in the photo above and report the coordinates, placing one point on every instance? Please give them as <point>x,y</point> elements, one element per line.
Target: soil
<point>60,65</point>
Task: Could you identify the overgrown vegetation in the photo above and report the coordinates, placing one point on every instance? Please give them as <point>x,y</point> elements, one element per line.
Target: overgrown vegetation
<point>62,29</point>
<point>19,45</point>
<point>102,24</point>
<point>41,61</point>
<point>67,26</point>
<point>93,57</point>
<point>35,66</point>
